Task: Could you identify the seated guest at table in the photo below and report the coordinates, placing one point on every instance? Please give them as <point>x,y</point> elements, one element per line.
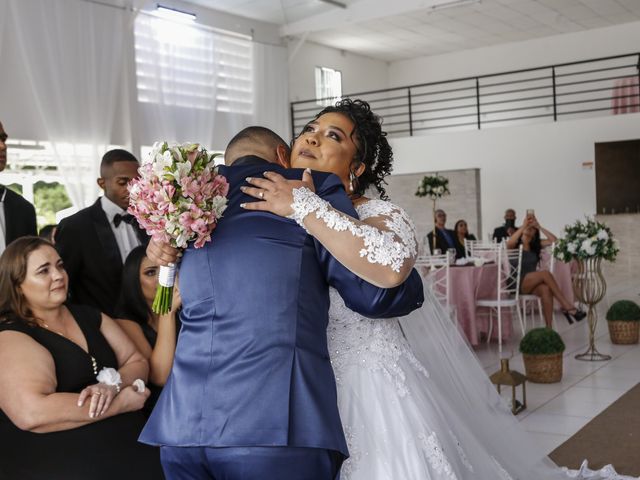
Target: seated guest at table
<point>462,233</point>
<point>153,335</point>
<point>509,227</point>
<point>57,421</point>
<point>540,282</point>
<point>445,238</point>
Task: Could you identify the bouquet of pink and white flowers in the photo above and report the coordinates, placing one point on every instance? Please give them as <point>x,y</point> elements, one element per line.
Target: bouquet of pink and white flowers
<point>178,198</point>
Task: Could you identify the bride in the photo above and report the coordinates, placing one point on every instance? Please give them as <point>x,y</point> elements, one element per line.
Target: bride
<point>414,402</point>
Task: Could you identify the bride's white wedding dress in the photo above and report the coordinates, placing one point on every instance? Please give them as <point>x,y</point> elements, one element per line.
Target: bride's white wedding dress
<point>414,401</point>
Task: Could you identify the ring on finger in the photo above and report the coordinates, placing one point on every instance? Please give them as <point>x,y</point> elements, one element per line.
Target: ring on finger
<point>261,195</point>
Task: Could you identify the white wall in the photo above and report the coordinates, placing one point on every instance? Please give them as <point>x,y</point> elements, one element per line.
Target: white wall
<point>359,73</point>
<point>532,166</point>
<point>601,42</point>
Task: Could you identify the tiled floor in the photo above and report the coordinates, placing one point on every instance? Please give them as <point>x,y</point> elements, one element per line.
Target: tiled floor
<point>557,411</point>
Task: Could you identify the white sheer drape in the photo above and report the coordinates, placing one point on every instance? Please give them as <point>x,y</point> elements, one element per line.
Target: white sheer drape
<point>176,90</point>
<point>271,98</point>
<point>3,22</point>
<point>73,57</point>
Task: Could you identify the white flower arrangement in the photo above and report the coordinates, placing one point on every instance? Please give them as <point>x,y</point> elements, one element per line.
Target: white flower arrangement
<point>433,186</point>
<point>588,239</point>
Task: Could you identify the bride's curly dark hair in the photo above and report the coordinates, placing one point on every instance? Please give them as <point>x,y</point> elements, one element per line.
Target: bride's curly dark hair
<point>373,149</point>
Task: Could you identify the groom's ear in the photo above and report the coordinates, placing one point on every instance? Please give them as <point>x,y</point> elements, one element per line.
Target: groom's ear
<point>282,156</point>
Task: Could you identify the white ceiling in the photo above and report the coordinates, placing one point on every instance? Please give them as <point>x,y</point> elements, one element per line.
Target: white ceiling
<point>399,29</point>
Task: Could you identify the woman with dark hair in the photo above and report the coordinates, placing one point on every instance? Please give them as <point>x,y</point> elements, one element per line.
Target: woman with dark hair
<point>346,139</point>
<point>462,233</point>
<point>71,382</point>
<point>540,282</point>
<point>153,335</point>
<point>401,420</point>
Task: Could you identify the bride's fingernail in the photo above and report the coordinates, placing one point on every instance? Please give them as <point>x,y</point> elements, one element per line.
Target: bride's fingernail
<point>242,205</point>
<point>243,189</point>
<point>308,170</point>
<point>248,179</point>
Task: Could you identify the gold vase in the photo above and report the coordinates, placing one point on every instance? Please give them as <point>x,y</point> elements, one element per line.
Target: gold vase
<point>589,286</point>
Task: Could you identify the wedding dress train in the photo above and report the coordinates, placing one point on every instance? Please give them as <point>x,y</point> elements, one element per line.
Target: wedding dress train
<point>416,405</point>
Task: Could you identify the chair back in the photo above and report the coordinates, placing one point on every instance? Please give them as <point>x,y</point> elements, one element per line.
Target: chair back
<point>508,264</point>
<point>485,250</point>
<point>547,260</point>
<point>435,269</point>
<point>509,269</point>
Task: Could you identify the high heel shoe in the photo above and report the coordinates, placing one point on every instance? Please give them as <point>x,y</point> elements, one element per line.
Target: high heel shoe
<point>567,315</point>
<point>577,316</point>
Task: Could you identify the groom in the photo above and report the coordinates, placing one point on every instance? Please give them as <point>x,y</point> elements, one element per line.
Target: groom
<point>252,393</point>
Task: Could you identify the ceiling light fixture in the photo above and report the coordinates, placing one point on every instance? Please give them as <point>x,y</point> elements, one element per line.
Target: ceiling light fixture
<point>335,3</point>
<point>175,14</point>
<point>452,4</point>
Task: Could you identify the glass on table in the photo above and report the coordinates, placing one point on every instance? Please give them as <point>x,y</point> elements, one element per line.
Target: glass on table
<point>451,255</point>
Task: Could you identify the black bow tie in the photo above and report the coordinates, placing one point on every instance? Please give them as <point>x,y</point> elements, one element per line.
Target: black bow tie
<point>126,218</point>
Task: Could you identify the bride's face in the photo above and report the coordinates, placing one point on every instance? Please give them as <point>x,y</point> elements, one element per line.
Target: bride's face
<point>326,145</point>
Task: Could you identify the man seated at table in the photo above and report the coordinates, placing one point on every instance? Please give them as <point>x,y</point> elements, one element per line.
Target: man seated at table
<point>505,231</point>
<point>445,238</point>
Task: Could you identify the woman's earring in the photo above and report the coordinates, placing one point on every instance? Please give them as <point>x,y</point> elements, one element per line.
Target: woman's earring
<point>352,177</point>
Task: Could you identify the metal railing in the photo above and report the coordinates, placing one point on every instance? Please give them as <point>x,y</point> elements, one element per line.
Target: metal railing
<point>569,90</point>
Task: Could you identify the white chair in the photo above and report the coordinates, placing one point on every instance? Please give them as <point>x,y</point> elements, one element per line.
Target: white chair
<point>430,266</point>
<point>529,303</point>
<point>435,269</point>
<point>509,263</point>
<point>479,249</point>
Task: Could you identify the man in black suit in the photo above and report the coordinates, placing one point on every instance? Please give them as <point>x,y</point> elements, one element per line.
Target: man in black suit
<point>17,215</point>
<point>445,238</point>
<point>94,242</point>
<point>505,231</point>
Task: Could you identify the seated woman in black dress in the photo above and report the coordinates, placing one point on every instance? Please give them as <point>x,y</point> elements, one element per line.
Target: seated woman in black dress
<point>462,233</point>
<point>153,335</point>
<point>57,421</point>
<point>540,282</point>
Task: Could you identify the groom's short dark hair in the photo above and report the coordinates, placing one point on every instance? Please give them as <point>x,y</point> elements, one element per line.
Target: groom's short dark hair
<point>254,140</point>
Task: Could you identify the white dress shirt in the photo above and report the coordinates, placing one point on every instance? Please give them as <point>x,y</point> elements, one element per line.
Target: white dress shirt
<point>125,234</point>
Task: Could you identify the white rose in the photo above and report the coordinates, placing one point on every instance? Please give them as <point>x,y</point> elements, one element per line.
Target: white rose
<point>588,247</point>
<point>440,190</point>
<point>572,247</point>
<point>602,235</point>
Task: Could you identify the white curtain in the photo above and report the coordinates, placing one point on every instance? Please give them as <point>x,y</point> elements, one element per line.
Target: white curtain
<point>3,22</point>
<point>73,57</point>
<point>176,67</point>
<point>271,97</point>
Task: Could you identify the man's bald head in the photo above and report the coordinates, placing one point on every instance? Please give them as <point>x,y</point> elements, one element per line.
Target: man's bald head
<point>258,141</point>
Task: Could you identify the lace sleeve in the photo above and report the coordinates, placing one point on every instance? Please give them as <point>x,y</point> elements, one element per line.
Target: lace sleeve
<point>387,233</point>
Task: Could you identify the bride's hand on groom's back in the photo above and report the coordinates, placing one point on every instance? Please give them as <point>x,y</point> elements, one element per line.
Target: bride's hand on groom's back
<point>276,192</point>
<point>162,253</point>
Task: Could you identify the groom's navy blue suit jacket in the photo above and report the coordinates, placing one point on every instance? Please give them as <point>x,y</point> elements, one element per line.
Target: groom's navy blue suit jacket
<point>251,366</point>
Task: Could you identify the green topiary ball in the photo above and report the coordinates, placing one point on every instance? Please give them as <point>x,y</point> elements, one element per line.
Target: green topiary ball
<point>624,310</point>
<point>541,341</point>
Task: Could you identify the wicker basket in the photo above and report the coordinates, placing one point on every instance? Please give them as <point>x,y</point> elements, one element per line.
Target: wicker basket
<point>543,368</point>
<point>623,332</point>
